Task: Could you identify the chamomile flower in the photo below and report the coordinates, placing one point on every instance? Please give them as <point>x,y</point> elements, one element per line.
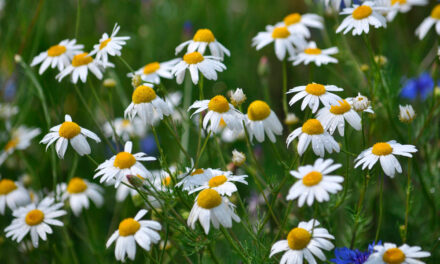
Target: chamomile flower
<point>12,195</point>
<point>390,253</point>
<point>58,55</point>
<point>154,71</point>
<point>313,93</point>
<point>69,132</point>
<point>80,66</point>
<point>109,45</point>
<point>195,62</point>
<point>403,6</point>
<point>36,220</point>
<point>313,54</point>
<point>218,108</point>
<point>335,5</point>
<point>406,113</point>
<point>433,19</point>
<point>334,116</point>
<point>173,100</point>
<point>124,163</point>
<point>79,191</point>
<point>223,182</point>
<point>125,128</point>
<point>300,24</point>
<point>204,38</point>
<point>360,18</point>
<point>134,231</point>
<point>313,132</point>
<point>385,152</point>
<point>360,103</point>
<point>146,105</point>
<point>193,178</point>
<point>161,181</point>
<point>285,41</point>
<point>21,138</point>
<point>260,120</point>
<point>209,207</point>
<point>304,242</point>
<point>315,183</point>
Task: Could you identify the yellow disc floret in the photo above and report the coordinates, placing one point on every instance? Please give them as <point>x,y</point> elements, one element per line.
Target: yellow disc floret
<point>393,256</point>
<point>193,57</point>
<point>435,13</point>
<point>312,178</point>
<point>217,181</point>
<point>143,94</point>
<point>197,171</point>
<point>151,67</point>
<point>166,181</point>
<point>362,12</point>
<point>258,110</point>
<point>128,227</point>
<point>7,186</point>
<point>34,217</point>
<point>313,51</point>
<point>69,130</point>
<point>312,127</point>
<point>104,43</point>
<point>81,59</point>
<point>280,32</point>
<point>292,19</point>
<point>315,89</point>
<point>76,185</point>
<point>56,50</point>
<point>340,109</point>
<point>204,35</point>
<point>382,149</point>
<point>124,160</point>
<point>209,199</point>
<point>218,104</point>
<point>400,2</point>
<point>12,143</point>
<point>298,238</point>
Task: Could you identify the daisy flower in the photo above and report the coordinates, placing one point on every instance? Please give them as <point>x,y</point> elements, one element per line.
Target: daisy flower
<point>334,116</point>
<point>313,131</point>
<point>304,242</point>
<point>284,41</point>
<point>80,66</point>
<point>433,19</point>
<point>193,178</point>
<point>390,253</point>
<point>406,113</point>
<point>202,39</point>
<point>125,128</point>
<point>222,181</point>
<point>403,6</point>
<point>218,108</point>
<point>299,24</point>
<point>173,100</point>
<point>153,71</point>
<point>79,191</point>
<point>161,181</point>
<point>134,231</point>
<point>260,120</point>
<point>210,207</point>
<point>122,164</point>
<point>13,195</point>
<point>315,183</point>
<point>360,18</point>
<point>69,131</point>
<point>7,111</point>
<point>385,151</point>
<point>109,45</point>
<point>58,55</point>
<point>195,62</point>
<point>360,103</point>
<point>36,220</point>
<point>146,105</point>
<point>313,54</point>
<point>313,93</point>
<point>335,5</point>
<point>20,139</point>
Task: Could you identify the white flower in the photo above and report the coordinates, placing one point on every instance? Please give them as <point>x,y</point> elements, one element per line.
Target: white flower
<point>122,164</point>
<point>195,62</point>
<point>81,64</point>
<point>146,105</point>
<point>238,97</point>
<point>69,131</point>
<point>209,207</point>
<point>334,116</point>
<point>291,119</point>
<point>193,178</point>
<point>304,242</point>
<point>360,103</point>
<point>360,18</point>
<point>79,191</point>
<point>260,120</point>
<point>36,220</point>
<point>160,182</point>
<point>313,132</point>
<point>313,54</point>
<point>335,5</point>
<point>153,71</point>
<point>313,93</point>
<point>125,128</point>
<point>315,182</point>
<point>20,139</point>
<point>134,231</point>
<point>7,110</point>
<point>13,195</point>
<point>173,100</point>
<point>402,6</point>
<point>238,158</point>
<point>433,19</point>
<point>385,151</point>
<point>299,24</point>
<point>109,45</point>
<point>58,55</point>
<point>390,253</point>
<point>406,113</point>
<point>221,181</point>
<point>202,39</point>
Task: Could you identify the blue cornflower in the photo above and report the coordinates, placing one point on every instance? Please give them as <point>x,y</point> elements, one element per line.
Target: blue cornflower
<point>419,87</point>
<point>352,256</point>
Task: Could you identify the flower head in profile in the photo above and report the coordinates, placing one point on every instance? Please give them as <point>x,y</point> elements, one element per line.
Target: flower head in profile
<point>21,138</point>
<point>332,6</point>
<point>418,87</point>
<point>12,195</point>
<point>402,6</point>
<point>124,128</point>
<point>154,71</point>
<point>261,120</point>
<point>313,93</point>
<point>203,39</point>
<point>360,17</point>
<point>432,20</point>
<point>360,103</point>
<point>406,114</point>
<point>390,253</point>
<point>81,64</point>
<point>195,62</point>
<point>313,54</point>
<point>193,178</point>
<point>334,117</point>
<point>221,181</point>
<point>300,24</point>
<point>109,46</point>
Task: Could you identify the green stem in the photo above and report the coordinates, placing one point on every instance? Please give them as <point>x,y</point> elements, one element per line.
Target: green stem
<point>212,253</point>
<point>126,64</point>
<point>381,179</point>
<point>78,16</point>
<point>408,191</point>
<point>234,245</point>
<point>187,94</point>
<point>285,108</point>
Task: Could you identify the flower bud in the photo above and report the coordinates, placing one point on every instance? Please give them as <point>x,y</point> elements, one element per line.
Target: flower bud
<point>291,119</point>
<point>135,181</point>
<point>380,60</point>
<point>136,81</point>
<point>17,58</point>
<point>360,103</point>
<point>263,66</point>
<point>109,83</point>
<point>407,114</point>
<point>238,97</point>
<point>238,158</point>
<point>364,67</point>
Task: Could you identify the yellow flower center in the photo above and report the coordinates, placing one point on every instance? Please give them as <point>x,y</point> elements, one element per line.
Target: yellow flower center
<point>222,123</point>
<point>217,181</point>
<point>436,12</point>
<point>258,110</point>
<point>56,50</point>
<point>209,199</point>
<point>312,178</point>
<point>312,127</point>
<point>151,67</point>
<point>128,227</point>
<point>204,35</point>
<point>143,94</point>
<point>34,217</point>
<point>76,185</point>
<point>292,19</point>
<point>81,59</point>
<point>69,130</point>
<point>280,32</point>
<point>193,57</point>
<point>362,12</point>
<point>166,181</point>
<point>312,51</point>
<point>393,256</point>
<point>315,89</point>
<point>12,144</point>
<point>218,104</point>
<point>124,160</point>
<point>197,171</point>
<point>125,123</point>
<point>7,186</point>
<point>104,43</point>
<point>298,238</point>
<point>400,2</point>
<point>340,109</point>
<point>382,149</point>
